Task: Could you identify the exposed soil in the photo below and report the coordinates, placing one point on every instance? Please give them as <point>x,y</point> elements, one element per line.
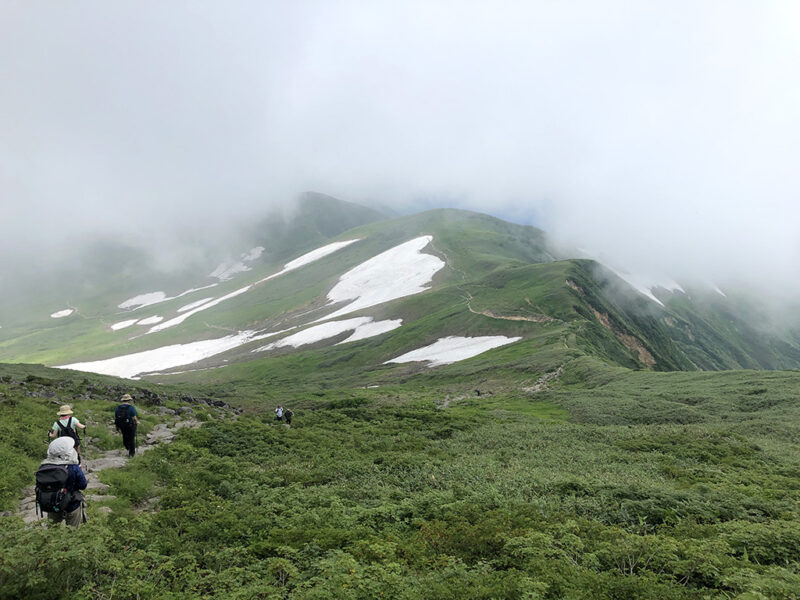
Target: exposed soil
<point>629,341</point>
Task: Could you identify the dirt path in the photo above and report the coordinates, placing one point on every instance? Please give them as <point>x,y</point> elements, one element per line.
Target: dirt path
<point>163,433</point>
<point>543,383</point>
<point>534,317</point>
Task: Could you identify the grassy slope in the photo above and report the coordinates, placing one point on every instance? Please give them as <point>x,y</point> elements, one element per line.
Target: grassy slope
<point>613,484</point>
<point>503,268</point>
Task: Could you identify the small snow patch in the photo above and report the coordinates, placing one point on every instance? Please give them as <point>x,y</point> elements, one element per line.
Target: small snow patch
<point>205,287</point>
<point>143,300</point>
<point>192,305</point>
<point>310,257</point>
<point>452,349</point>
<point>181,318</point>
<point>123,324</point>
<point>151,320</point>
<point>253,254</point>
<point>227,270</point>
<point>368,330</point>
<point>62,313</point>
<point>362,328</point>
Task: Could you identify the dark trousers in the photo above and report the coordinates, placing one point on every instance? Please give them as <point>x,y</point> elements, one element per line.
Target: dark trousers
<point>129,438</point>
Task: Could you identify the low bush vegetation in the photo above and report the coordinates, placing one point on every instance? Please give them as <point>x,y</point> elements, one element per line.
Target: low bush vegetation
<point>577,492</point>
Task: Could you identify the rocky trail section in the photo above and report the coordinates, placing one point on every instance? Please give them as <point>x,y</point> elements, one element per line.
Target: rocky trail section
<point>543,383</point>
<point>163,433</point>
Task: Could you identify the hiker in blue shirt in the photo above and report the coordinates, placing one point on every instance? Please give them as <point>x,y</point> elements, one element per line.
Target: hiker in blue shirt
<point>61,452</point>
<point>126,421</point>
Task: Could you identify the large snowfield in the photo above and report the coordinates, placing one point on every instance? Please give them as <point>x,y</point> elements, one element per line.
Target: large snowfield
<point>166,357</point>
<point>453,349</point>
<point>400,271</point>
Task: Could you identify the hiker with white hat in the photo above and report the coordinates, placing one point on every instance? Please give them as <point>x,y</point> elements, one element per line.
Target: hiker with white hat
<point>68,426</point>
<point>59,482</point>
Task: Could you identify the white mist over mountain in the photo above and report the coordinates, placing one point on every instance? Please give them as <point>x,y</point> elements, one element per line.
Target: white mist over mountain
<point>664,136</point>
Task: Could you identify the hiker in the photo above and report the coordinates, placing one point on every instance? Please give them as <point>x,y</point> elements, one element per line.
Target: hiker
<point>66,426</point>
<point>288,414</point>
<point>279,413</point>
<point>126,421</point>
<point>59,482</point>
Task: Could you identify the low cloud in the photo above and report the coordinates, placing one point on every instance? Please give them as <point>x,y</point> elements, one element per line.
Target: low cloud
<point>660,136</point>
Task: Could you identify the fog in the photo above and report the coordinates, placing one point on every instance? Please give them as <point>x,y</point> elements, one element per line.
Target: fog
<point>662,136</point>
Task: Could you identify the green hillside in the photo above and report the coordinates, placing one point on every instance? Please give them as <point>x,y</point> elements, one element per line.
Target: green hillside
<point>485,482</point>
<point>499,279</point>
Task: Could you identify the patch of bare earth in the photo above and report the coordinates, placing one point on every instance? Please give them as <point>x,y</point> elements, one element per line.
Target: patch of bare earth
<point>533,317</point>
<point>631,342</point>
<point>575,287</point>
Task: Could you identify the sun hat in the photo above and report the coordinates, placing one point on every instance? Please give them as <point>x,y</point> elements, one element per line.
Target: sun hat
<point>126,398</point>
<point>65,410</point>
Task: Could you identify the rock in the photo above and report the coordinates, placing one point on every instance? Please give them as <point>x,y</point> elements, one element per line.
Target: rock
<point>107,462</point>
<point>99,498</point>
<point>183,410</point>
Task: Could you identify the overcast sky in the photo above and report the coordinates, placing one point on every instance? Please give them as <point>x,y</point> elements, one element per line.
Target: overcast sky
<point>660,135</point>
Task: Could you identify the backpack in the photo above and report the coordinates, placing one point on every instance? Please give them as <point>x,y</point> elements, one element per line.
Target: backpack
<point>288,414</point>
<point>68,431</point>
<point>122,416</point>
<point>51,489</point>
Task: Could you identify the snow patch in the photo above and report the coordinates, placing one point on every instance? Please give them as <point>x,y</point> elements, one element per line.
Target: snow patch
<point>151,320</point>
<point>452,349</point>
<point>205,287</point>
<point>310,257</point>
<point>123,324</point>
<point>252,254</point>
<point>192,305</point>
<point>144,300</point>
<point>181,318</point>
<point>362,328</point>
<point>369,330</point>
<point>166,357</point>
<point>400,271</point>
<point>227,270</point>
<point>62,313</point>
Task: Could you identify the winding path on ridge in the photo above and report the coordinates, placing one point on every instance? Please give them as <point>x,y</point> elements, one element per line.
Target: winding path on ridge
<point>535,317</point>
<point>162,433</point>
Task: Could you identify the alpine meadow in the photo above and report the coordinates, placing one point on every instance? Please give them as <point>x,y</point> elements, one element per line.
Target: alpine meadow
<point>602,444</point>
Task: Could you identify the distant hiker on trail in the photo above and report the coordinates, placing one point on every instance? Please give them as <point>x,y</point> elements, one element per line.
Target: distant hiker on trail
<point>288,414</point>
<point>59,482</point>
<point>279,413</point>
<point>126,421</point>
<point>68,426</point>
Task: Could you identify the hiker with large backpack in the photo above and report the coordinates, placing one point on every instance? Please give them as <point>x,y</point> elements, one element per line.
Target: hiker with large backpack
<point>59,482</point>
<point>126,421</point>
<point>67,426</point>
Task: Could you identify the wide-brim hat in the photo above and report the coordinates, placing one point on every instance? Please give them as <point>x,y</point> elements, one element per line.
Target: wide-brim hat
<point>65,410</point>
<point>126,398</point>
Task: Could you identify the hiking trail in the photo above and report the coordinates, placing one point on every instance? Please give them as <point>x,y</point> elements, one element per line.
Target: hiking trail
<point>162,433</point>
